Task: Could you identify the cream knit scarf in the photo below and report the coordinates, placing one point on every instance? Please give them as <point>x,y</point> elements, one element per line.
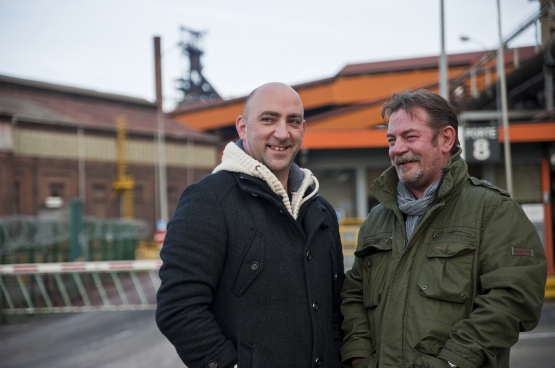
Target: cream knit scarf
<point>236,160</point>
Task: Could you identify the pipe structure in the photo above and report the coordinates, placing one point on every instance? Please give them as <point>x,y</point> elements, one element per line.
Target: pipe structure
<point>162,187</point>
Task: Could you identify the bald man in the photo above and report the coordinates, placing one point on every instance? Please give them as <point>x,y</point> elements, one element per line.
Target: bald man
<point>252,261</point>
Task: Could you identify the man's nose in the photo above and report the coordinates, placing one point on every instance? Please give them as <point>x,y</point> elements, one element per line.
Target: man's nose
<point>398,148</point>
<point>281,132</point>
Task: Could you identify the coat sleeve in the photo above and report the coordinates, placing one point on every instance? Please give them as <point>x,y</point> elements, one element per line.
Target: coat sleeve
<point>193,256</point>
<point>337,316</point>
<point>512,290</point>
<point>357,340</point>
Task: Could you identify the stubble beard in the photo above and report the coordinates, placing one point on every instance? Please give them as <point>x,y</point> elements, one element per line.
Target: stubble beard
<point>420,177</point>
<point>403,173</point>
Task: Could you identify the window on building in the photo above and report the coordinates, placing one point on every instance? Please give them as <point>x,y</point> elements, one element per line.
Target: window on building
<point>16,198</point>
<point>99,192</point>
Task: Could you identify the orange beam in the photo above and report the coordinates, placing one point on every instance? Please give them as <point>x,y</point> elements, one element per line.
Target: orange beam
<point>539,132</point>
<point>363,138</point>
<point>216,117</point>
<point>547,220</point>
<point>334,139</point>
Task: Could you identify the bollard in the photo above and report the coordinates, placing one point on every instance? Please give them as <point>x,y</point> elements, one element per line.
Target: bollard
<point>75,229</point>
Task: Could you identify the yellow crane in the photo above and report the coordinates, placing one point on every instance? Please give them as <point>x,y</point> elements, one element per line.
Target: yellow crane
<point>124,184</point>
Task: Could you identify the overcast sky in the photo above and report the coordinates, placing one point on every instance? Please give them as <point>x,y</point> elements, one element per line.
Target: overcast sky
<point>107,45</point>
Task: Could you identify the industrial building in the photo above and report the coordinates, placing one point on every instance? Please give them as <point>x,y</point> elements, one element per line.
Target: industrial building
<point>58,143</point>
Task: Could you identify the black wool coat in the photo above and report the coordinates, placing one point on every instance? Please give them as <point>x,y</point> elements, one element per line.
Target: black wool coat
<point>245,283</point>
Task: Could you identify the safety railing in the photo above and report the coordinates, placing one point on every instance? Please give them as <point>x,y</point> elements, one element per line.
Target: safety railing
<point>78,287</point>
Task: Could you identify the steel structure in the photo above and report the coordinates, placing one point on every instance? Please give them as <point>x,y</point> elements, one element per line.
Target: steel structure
<point>194,85</point>
<point>124,184</point>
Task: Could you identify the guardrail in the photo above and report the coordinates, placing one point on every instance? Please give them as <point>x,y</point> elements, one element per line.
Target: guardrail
<point>78,286</point>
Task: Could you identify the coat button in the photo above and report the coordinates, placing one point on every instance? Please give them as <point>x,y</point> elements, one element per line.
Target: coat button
<point>254,266</point>
<point>308,255</point>
<point>315,306</point>
<point>212,364</point>
<point>318,361</point>
<point>335,277</point>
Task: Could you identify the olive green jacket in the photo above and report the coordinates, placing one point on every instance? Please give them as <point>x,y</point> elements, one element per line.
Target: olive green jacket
<point>469,280</point>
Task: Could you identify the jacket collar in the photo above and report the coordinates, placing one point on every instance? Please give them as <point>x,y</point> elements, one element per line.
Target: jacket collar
<point>235,159</point>
<point>453,176</point>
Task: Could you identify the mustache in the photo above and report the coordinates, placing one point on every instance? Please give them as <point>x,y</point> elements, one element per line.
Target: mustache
<point>403,159</point>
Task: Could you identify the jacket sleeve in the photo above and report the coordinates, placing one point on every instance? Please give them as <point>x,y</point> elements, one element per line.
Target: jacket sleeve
<point>512,289</point>
<point>193,256</point>
<point>357,340</point>
<point>337,316</point>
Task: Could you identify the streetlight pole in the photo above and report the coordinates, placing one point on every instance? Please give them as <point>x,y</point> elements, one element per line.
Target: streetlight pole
<point>504,108</point>
<point>443,85</point>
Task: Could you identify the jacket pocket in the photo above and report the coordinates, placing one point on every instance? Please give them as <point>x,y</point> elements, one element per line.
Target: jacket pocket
<point>376,254</point>
<point>447,272</point>
<point>244,355</point>
<point>250,266</point>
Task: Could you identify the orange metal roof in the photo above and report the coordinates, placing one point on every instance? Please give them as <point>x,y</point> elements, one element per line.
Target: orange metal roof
<point>357,92</point>
<point>352,138</point>
<point>429,62</point>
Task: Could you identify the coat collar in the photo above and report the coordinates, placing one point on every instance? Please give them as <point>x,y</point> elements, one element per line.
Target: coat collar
<point>453,176</point>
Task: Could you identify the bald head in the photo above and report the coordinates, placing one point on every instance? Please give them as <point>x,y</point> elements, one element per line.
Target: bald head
<point>272,127</point>
<point>272,87</point>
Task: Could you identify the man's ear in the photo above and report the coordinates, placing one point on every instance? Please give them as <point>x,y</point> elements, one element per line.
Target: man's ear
<point>241,126</point>
<point>448,137</point>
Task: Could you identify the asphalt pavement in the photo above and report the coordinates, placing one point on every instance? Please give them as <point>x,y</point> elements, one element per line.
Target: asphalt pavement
<point>132,340</point>
<point>127,339</point>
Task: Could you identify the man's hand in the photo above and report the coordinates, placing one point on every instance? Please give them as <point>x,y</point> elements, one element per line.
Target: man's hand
<point>356,360</point>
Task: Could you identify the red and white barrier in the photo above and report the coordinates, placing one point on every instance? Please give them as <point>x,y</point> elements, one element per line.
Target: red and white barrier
<point>71,267</point>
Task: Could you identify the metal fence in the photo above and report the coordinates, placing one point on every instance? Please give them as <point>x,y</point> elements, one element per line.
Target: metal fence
<point>78,287</point>
<point>25,239</point>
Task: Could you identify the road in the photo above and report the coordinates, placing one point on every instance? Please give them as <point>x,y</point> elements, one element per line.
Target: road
<point>94,339</point>
<point>537,347</point>
<point>132,340</point>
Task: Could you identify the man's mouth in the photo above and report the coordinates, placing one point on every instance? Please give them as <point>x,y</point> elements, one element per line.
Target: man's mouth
<point>400,160</point>
<point>276,148</point>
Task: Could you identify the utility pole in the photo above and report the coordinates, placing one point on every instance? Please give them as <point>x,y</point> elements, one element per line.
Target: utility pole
<point>504,107</point>
<point>162,187</point>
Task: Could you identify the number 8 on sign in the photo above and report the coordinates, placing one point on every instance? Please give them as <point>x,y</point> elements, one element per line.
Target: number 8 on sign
<point>481,149</point>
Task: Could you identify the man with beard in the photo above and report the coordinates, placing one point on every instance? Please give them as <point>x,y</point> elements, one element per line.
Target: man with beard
<point>252,260</point>
<point>448,268</point>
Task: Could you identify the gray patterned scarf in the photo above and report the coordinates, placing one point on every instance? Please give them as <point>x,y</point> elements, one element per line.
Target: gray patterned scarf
<point>412,207</point>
